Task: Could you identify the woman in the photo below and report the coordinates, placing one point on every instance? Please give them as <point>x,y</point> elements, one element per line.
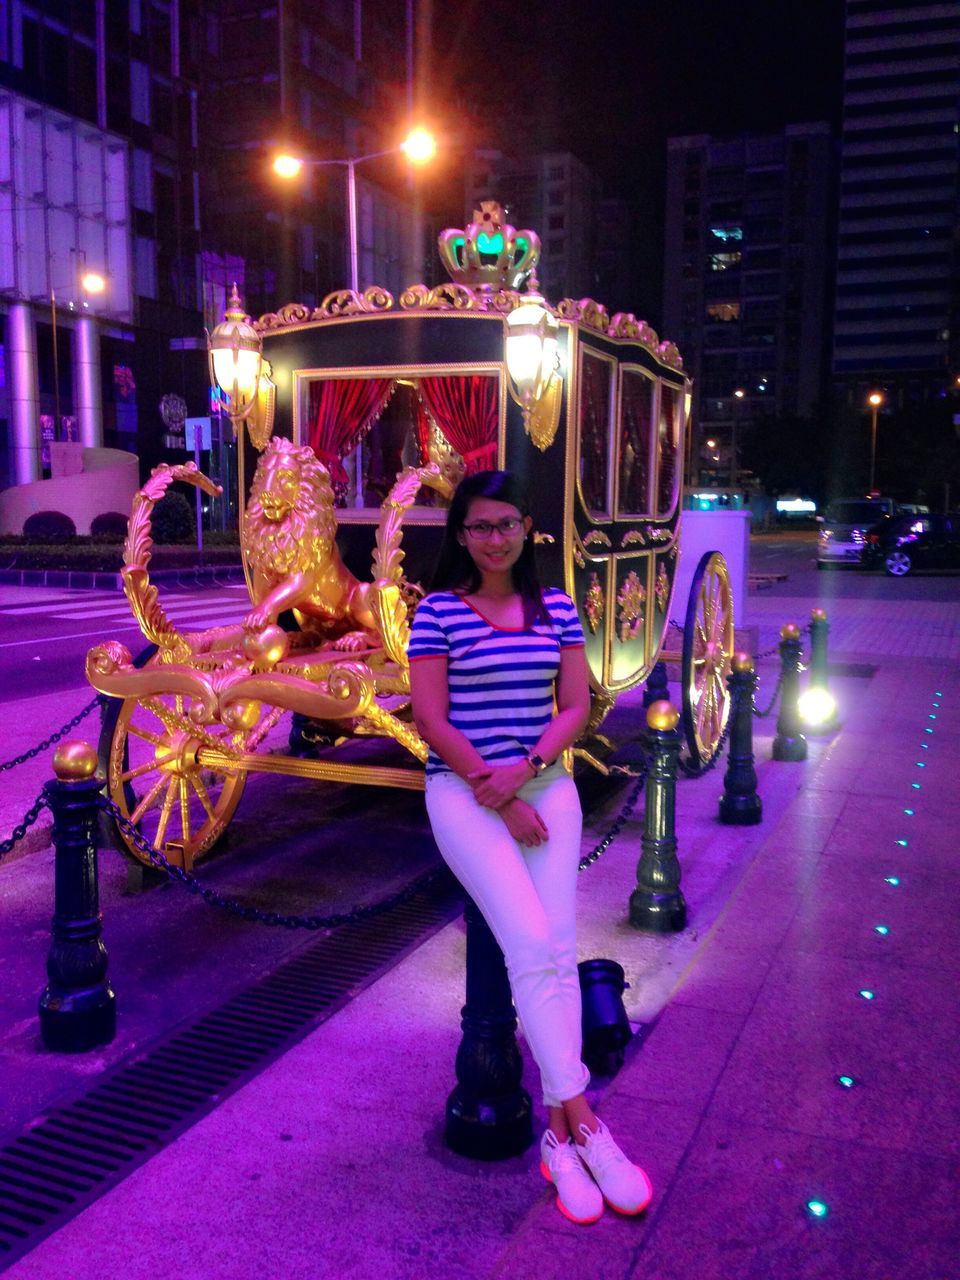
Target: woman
<point>490,656</point>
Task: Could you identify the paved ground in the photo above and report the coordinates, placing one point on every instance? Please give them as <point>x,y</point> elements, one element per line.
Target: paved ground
<point>331,1162</point>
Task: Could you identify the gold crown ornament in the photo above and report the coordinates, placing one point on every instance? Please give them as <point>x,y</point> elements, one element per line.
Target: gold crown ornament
<point>488,253</point>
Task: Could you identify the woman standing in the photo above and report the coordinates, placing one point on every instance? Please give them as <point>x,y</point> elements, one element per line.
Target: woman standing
<point>499,685</point>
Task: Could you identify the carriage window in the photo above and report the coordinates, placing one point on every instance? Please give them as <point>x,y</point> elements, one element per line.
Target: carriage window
<point>595,406</point>
<point>668,448</point>
<point>636,420</point>
<point>366,430</point>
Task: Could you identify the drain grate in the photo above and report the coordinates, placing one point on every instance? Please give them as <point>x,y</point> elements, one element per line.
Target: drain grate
<point>70,1156</point>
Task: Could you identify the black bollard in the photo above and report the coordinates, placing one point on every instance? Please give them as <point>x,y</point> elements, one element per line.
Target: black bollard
<point>489,1115</point>
<point>819,631</point>
<point>77,1007</point>
<point>657,902</point>
<point>740,806</point>
<point>657,688</point>
<point>789,744</point>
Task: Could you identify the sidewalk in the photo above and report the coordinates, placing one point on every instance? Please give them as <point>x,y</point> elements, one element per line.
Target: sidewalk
<point>331,1161</point>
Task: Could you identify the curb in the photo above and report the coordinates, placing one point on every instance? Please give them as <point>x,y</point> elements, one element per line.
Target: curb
<point>93,580</point>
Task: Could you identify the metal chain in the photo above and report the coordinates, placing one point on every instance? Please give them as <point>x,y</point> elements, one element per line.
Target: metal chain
<point>761,715</point>
<point>272,918</point>
<point>22,827</point>
<point>590,858</point>
<point>54,737</point>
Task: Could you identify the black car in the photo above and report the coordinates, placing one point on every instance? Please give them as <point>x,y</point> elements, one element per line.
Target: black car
<point>907,542</point>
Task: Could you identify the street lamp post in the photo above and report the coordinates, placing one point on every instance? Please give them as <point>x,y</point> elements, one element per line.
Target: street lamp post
<point>738,396</point>
<point>874,400</point>
<point>419,146</point>
<point>91,282</point>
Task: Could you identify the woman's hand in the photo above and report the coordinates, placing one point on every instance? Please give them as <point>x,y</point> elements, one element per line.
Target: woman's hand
<point>496,784</point>
<point>524,823</point>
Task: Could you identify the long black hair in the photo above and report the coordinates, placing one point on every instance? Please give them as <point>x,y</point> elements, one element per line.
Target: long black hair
<point>455,569</point>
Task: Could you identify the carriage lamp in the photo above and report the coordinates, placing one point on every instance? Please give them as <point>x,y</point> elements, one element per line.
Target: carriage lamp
<point>236,361</point>
<point>532,360</point>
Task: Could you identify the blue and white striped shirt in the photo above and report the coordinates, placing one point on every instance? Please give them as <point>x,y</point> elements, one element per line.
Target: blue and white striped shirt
<point>501,679</point>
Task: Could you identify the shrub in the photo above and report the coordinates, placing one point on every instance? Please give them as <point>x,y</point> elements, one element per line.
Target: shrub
<point>49,526</point>
<point>173,519</point>
<point>109,526</point>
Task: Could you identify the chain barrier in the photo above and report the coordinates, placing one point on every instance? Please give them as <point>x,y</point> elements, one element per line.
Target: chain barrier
<point>274,919</point>
<point>22,827</point>
<point>590,858</point>
<point>54,737</point>
<point>762,715</point>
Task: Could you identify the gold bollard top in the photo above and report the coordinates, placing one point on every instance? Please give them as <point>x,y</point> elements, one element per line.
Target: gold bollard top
<point>789,631</point>
<point>662,715</point>
<point>75,761</point>
<point>818,615</point>
<point>742,663</point>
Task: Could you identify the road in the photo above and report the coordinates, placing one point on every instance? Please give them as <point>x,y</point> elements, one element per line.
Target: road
<point>795,555</point>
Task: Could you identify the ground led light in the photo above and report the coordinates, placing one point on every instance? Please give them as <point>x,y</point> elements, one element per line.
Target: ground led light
<point>902,844</point>
<point>867,995</point>
<point>892,879</point>
<point>816,1208</point>
<point>881,929</point>
<point>846,1082</point>
<point>908,812</point>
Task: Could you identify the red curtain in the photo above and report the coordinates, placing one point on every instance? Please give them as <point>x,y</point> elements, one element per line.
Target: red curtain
<point>423,432</point>
<point>466,411</point>
<point>341,412</point>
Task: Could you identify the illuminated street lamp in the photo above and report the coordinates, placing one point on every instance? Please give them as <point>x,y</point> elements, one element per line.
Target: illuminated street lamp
<point>92,283</point>
<point>419,147</point>
<point>874,400</point>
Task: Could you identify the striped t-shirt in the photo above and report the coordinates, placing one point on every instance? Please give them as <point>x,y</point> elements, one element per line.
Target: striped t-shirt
<point>501,679</point>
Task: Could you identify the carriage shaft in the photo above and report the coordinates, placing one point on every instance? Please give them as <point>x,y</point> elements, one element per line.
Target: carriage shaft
<point>320,770</point>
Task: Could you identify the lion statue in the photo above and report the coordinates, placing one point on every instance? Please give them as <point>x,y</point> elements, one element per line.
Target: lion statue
<point>289,535</point>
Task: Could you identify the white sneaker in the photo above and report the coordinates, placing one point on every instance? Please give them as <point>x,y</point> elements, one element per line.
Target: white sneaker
<point>578,1196</point>
<point>625,1186</point>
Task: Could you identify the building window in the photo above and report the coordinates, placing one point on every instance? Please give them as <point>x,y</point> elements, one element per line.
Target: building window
<point>726,233</point>
<point>142,180</point>
<point>145,267</point>
<point>556,222</point>
<point>139,92</point>
<point>555,246</point>
<point>555,173</point>
<point>723,311</point>
<point>555,197</point>
<point>723,261</point>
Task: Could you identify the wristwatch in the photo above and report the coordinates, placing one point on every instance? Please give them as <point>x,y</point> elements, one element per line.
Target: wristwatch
<point>538,763</point>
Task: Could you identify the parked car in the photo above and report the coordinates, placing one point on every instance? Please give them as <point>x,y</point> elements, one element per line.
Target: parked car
<point>912,541</point>
<point>843,528</point>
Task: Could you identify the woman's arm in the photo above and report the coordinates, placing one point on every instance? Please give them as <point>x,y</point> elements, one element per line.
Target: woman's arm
<point>430,698</point>
<point>573,710</point>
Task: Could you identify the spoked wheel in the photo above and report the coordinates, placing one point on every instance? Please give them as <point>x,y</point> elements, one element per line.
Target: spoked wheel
<point>707,656</point>
<point>157,780</point>
<point>898,564</point>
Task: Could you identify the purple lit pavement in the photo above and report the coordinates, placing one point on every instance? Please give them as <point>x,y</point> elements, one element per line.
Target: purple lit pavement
<point>330,1163</point>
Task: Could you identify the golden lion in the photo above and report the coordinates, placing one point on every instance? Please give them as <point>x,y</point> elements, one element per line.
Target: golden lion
<point>289,537</point>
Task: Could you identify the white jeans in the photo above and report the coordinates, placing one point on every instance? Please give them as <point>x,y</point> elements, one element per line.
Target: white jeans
<point>528,898</point>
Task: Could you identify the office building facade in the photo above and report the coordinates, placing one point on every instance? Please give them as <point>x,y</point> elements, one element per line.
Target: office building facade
<point>746,278</point>
<point>898,257</point>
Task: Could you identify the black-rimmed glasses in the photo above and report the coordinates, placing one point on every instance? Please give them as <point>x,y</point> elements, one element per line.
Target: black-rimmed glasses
<point>481,529</point>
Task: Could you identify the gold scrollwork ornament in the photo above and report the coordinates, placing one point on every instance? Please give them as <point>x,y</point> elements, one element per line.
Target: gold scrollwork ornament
<point>593,603</point>
<point>630,605</point>
<point>662,588</point>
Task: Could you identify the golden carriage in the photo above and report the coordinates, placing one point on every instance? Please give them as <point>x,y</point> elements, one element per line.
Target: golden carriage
<point>366,413</point>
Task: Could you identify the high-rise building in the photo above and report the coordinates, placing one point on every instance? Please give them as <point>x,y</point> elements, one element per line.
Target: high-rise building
<point>326,82</point>
<point>745,278</point>
<point>100,118</point>
<point>553,193</point>
<point>898,258</point>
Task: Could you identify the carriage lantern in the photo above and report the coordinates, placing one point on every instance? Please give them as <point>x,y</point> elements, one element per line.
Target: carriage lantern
<point>531,352</point>
<point>236,360</point>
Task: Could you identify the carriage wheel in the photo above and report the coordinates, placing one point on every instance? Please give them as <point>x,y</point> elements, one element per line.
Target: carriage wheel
<point>156,780</point>
<point>707,654</point>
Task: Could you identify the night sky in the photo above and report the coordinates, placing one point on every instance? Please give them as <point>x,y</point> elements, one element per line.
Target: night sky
<point>612,81</point>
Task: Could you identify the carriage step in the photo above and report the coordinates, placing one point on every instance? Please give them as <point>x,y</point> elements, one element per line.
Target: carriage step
<point>72,1154</point>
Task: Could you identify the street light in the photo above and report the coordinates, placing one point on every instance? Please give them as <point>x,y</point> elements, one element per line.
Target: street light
<point>874,400</point>
<point>419,146</point>
<point>92,283</point>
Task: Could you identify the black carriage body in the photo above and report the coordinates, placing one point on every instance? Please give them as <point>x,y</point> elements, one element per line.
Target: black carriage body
<point>605,492</point>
